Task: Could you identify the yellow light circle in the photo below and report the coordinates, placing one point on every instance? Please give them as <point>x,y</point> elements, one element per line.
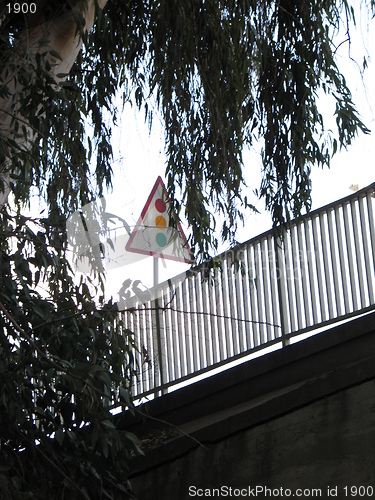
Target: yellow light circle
<point>160,221</point>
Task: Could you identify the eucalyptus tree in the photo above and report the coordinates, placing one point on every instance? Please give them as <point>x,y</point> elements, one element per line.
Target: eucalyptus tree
<point>223,74</point>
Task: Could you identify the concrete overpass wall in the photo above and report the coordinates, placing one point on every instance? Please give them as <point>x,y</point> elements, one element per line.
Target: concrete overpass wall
<point>297,422</point>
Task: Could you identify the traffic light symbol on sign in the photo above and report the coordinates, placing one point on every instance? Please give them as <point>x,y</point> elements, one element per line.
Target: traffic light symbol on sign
<point>161,223</point>
<point>153,234</point>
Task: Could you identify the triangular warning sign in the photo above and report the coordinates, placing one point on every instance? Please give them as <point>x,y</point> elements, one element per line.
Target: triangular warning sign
<point>153,235</point>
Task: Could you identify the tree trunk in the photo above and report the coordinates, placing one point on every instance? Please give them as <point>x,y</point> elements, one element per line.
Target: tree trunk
<point>61,32</point>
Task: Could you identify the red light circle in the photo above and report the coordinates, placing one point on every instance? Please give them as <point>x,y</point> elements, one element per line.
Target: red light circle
<point>160,205</point>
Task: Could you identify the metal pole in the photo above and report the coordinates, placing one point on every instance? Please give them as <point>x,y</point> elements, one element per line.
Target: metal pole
<point>158,330</point>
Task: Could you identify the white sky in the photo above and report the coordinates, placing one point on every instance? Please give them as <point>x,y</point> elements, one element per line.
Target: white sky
<point>139,159</point>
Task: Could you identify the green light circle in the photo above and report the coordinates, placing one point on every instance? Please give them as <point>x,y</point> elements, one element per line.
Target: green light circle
<point>161,239</point>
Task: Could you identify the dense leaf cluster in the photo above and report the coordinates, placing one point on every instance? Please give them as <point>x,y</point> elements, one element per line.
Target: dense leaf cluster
<point>66,358</point>
<point>64,363</point>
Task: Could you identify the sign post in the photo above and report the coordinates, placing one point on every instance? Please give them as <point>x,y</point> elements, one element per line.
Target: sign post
<point>158,329</point>
<point>155,235</point>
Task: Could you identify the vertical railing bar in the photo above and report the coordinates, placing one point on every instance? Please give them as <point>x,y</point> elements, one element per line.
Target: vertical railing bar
<point>297,277</point>
<point>266,286</point>
<point>239,303</point>
<point>151,342</point>
<point>133,327</point>
<point>341,243</point>
<point>137,355</point>
<point>289,269</point>
<point>220,330</point>
<point>132,352</point>
<point>311,259</point>
<point>233,322</point>
<point>217,318</point>
<point>152,354</point>
<point>194,323</point>
<point>136,382</point>
<point>127,339</point>
<point>172,347</point>
<point>370,287</point>
<point>357,240</point>
<point>334,262</point>
<point>302,229</point>
<point>180,334</point>
<point>201,329</point>
<point>158,354</point>
<point>326,261</point>
<point>207,331</point>
<point>245,276</point>
<point>155,352</point>
<point>163,343</point>
<point>320,257</point>
<point>128,325</point>
<point>166,298</point>
<point>173,332</point>
<point>350,258</point>
<point>213,316</point>
<point>145,367</point>
<point>276,300</point>
<point>225,294</point>
<point>187,355</point>
<point>143,376</point>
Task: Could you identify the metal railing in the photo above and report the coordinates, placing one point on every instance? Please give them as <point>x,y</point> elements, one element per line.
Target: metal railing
<point>262,293</point>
